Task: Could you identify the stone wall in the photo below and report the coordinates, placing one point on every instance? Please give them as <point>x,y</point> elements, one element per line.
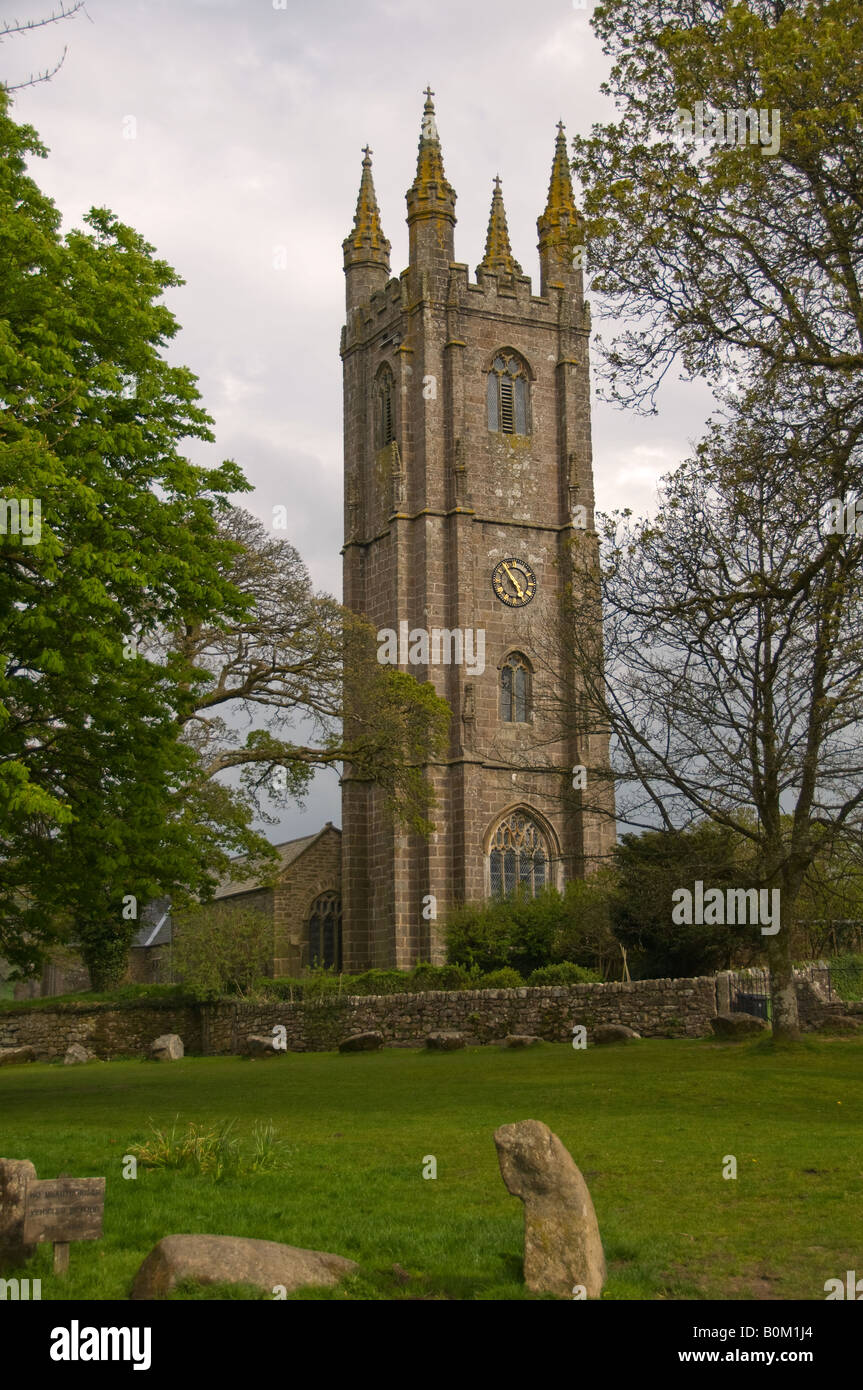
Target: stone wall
<point>108,1030</point>
<point>655,1008</point>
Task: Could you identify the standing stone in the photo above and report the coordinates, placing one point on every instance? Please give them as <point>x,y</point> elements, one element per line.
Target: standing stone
<point>562,1247</point>
<point>15,1174</point>
<point>168,1047</point>
<point>76,1055</point>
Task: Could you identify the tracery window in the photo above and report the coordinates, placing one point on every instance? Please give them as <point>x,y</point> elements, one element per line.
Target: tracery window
<point>518,857</point>
<point>325,931</point>
<point>515,689</point>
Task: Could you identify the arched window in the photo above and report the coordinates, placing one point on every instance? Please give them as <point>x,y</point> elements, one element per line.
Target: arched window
<point>385,427</point>
<point>325,931</point>
<point>515,689</point>
<point>508,395</point>
<point>518,857</point>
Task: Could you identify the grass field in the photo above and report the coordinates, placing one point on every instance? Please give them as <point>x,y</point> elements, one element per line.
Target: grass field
<point>649,1125</point>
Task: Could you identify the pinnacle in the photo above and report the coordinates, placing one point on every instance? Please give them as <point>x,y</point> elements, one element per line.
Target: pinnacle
<point>561,201</point>
<point>367,232</point>
<point>498,252</point>
<point>430,177</point>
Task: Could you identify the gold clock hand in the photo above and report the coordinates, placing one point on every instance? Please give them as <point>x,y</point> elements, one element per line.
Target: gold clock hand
<point>518,589</point>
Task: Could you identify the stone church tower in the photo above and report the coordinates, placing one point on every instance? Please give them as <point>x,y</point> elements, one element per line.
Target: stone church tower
<point>467,455</point>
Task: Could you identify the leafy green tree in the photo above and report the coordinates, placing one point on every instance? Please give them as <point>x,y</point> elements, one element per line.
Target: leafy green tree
<point>108,531</point>
<point>137,606</point>
<point>651,866</point>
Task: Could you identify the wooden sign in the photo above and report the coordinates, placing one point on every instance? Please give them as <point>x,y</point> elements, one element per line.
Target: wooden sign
<point>64,1209</point>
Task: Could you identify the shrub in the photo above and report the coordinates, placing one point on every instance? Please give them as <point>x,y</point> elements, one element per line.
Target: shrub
<point>506,978</point>
<point>222,949</point>
<point>426,977</point>
<point>378,982</point>
<point>846,976</point>
<point>564,972</point>
<point>527,933</point>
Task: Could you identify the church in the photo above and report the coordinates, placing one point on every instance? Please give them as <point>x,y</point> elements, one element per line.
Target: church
<point>467,482</point>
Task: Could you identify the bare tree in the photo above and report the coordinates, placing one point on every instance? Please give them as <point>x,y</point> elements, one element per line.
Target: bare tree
<point>14,26</point>
<point>732,676</point>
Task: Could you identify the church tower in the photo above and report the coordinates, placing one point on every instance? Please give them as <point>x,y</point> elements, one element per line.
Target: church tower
<point>467,457</point>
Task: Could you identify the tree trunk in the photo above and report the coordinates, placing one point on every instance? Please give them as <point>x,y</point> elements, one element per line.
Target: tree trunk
<point>783,995</point>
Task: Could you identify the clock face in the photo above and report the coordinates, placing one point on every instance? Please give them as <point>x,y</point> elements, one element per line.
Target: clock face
<point>514,582</point>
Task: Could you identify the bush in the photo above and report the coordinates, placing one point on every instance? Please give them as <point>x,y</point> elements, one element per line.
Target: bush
<point>427,977</point>
<point>378,982</point>
<point>506,978</point>
<point>564,972</point>
<point>222,949</point>
<point>215,1151</point>
<point>846,976</point>
<point>527,933</point>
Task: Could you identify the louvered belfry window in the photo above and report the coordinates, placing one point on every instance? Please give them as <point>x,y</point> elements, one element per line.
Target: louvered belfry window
<point>385,422</point>
<point>507,395</point>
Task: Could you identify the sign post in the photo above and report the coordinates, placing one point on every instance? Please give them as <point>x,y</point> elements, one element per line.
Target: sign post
<point>62,1210</point>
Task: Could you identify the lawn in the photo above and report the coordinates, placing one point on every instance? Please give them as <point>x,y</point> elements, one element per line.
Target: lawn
<point>649,1124</point>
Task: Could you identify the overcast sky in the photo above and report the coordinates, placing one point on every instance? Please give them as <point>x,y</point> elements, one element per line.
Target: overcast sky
<point>223,130</point>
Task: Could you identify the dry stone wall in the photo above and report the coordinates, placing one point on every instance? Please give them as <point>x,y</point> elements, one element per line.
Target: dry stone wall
<point>108,1030</point>
<point>654,1008</point>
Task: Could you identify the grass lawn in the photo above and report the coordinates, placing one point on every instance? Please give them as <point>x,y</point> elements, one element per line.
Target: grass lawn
<point>648,1124</point>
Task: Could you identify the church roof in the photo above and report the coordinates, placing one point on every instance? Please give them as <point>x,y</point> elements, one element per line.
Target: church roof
<point>288,853</point>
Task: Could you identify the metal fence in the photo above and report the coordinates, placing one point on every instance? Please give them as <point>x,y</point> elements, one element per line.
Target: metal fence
<point>750,989</point>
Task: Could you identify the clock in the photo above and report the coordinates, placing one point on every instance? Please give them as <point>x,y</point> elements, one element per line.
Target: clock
<point>514,582</point>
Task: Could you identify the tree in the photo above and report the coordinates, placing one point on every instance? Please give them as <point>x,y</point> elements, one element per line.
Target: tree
<point>651,866</point>
<point>221,949</point>
<point>733,676</point>
<point>106,530</point>
<point>12,27</point>
<point>738,262</point>
<point>110,540</point>
<point>728,261</point>
<point>279,669</point>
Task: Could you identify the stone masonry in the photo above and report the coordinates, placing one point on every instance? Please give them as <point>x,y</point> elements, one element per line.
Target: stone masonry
<point>435,498</point>
<point>654,1008</point>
